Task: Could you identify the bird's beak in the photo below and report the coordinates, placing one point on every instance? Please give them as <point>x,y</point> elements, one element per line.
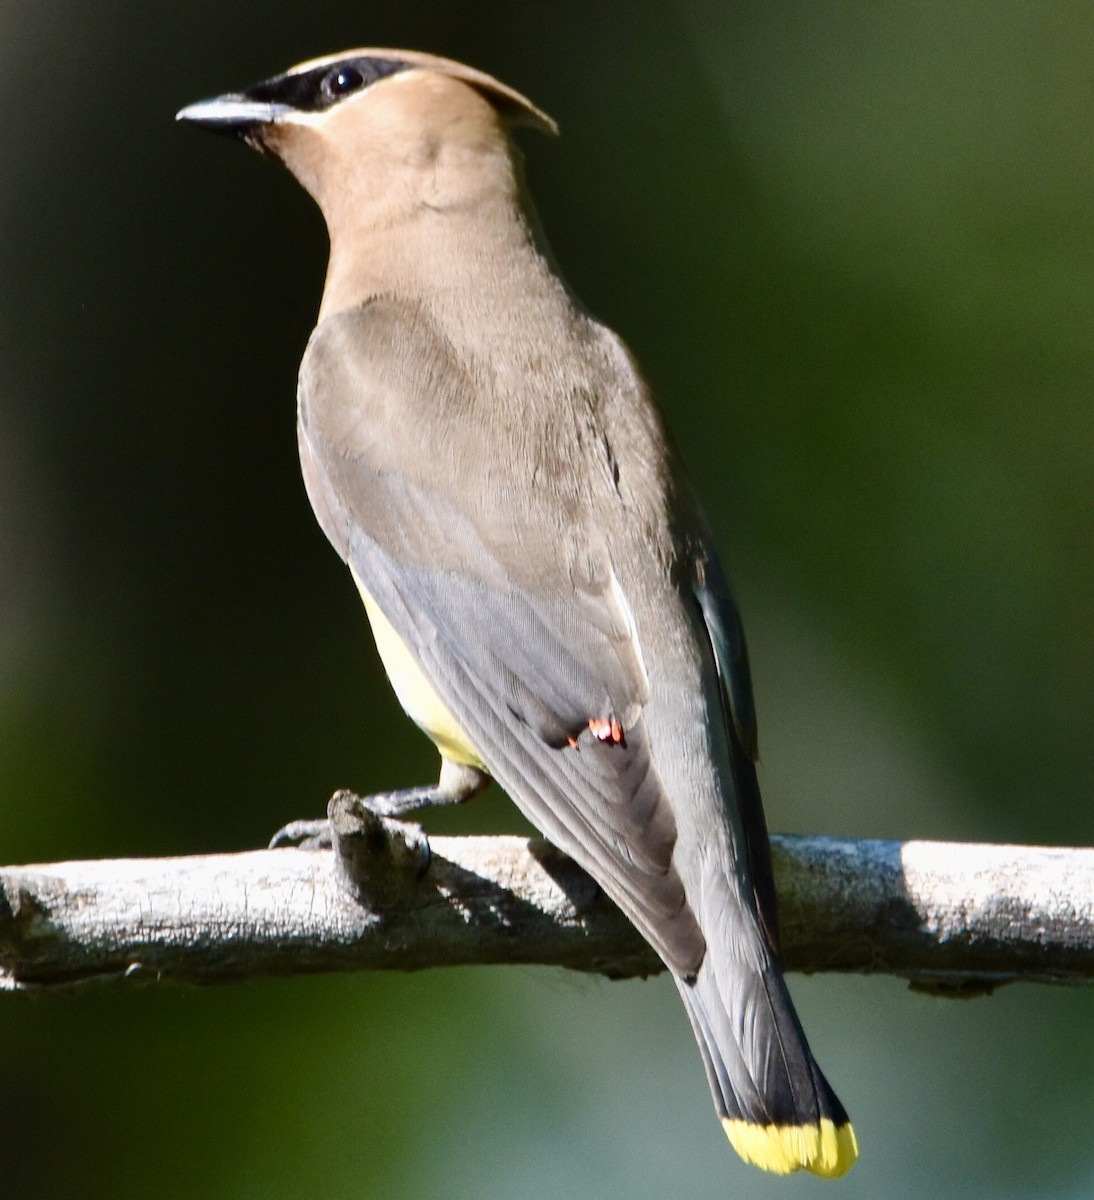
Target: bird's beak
<point>234,114</point>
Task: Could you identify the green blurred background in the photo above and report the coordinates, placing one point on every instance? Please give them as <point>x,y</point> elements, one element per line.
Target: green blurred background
<point>853,245</point>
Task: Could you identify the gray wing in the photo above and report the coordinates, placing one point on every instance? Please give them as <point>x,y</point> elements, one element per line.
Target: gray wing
<point>482,556</point>
<point>727,640</point>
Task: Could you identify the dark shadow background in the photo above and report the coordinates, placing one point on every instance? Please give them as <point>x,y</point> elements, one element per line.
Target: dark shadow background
<point>853,245</point>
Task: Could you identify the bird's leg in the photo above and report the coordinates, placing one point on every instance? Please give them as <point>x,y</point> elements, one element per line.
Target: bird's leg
<point>457,783</point>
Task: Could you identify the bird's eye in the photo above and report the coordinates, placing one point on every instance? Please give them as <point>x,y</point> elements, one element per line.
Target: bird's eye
<point>343,80</point>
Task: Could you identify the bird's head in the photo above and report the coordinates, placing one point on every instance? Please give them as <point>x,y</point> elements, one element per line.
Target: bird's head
<point>373,123</point>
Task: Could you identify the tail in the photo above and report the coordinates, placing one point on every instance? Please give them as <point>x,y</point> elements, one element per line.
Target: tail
<point>775,1105</point>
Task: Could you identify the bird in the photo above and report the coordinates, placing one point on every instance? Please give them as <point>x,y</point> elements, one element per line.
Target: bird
<point>541,583</point>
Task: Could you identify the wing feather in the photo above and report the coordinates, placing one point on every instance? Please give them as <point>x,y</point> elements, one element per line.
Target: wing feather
<point>509,603</point>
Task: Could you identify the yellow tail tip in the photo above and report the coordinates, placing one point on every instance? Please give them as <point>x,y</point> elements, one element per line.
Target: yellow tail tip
<point>825,1148</point>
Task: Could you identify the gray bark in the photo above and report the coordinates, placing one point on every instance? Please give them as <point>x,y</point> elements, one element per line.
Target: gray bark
<point>954,918</point>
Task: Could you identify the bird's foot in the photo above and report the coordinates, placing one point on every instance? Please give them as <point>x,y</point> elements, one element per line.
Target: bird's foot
<point>316,834</point>
<point>307,834</point>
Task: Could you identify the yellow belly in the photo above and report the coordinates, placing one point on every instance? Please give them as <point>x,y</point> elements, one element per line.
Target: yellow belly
<point>415,693</point>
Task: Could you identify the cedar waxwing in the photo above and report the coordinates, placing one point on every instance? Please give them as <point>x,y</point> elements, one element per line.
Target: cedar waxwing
<point>543,591</point>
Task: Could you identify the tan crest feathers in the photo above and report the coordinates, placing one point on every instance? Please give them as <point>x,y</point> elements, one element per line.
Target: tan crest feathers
<point>509,102</point>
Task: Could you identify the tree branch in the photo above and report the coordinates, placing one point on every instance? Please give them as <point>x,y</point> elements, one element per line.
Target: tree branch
<point>949,917</point>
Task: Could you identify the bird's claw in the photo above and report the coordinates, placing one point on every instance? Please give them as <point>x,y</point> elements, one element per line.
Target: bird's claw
<point>306,834</point>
